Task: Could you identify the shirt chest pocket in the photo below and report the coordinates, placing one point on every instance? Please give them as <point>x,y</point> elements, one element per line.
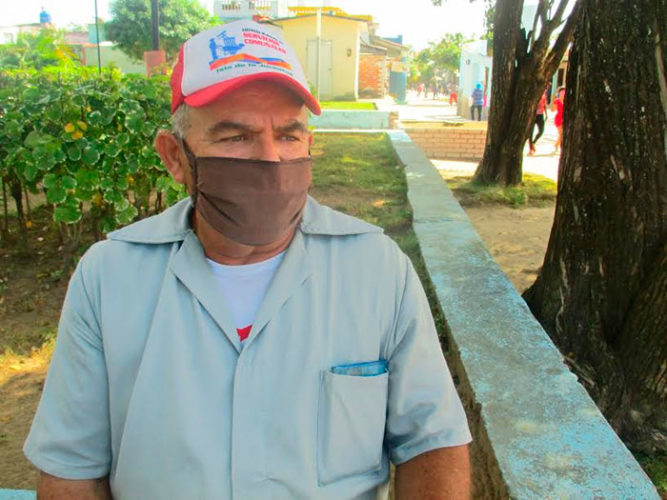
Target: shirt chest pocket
<point>351,422</point>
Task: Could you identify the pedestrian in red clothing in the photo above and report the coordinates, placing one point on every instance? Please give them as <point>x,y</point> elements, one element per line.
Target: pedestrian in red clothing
<point>557,106</point>
<point>540,118</point>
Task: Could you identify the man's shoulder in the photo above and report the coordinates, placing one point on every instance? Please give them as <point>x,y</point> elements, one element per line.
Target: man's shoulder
<point>322,220</point>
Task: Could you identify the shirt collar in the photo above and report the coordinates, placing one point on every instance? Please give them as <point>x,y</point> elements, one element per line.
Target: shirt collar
<point>174,224</point>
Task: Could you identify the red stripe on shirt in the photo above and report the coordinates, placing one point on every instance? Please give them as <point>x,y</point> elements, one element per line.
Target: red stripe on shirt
<point>244,332</point>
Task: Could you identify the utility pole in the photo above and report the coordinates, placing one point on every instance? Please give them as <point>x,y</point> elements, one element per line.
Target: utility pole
<point>155,24</point>
<point>97,39</point>
<point>318,52</point>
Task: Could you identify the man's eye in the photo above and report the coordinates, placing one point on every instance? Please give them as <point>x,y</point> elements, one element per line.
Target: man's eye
<point>233,138</point>
<point>289,138</point>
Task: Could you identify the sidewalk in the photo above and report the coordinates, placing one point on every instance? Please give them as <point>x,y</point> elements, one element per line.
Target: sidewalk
<point>544,162</point>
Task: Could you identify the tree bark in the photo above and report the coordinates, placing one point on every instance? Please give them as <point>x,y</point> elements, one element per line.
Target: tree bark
<point>522,65</point>
<point>601,291</point>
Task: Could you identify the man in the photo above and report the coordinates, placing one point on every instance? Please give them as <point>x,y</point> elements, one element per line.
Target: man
<point>477,102</point>
<point>247,343</point>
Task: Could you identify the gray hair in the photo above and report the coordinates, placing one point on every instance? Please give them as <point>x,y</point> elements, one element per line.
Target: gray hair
<point>180,120</point>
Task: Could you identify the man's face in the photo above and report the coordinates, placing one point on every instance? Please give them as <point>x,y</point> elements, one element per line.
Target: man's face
<point>260,121</point>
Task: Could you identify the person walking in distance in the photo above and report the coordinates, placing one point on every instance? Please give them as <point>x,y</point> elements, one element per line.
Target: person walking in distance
<point>540,117</point>
<point>477,102</point>
<point>557,106</point>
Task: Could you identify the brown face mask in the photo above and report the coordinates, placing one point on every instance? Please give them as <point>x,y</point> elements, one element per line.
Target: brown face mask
<point>253,202</point>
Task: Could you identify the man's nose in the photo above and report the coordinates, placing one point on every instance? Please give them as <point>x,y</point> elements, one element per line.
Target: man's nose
<point>267,148</point>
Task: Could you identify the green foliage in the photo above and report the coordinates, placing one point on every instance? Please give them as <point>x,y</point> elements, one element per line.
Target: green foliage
<point>130,26</point>
<point>656,468</point>
<point>439,60</point>
<point>489,13</point>
<point>85,141</point>
<point>46,48</point>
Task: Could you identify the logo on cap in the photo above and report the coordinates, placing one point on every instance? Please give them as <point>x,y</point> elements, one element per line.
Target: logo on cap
<point>227,52</point>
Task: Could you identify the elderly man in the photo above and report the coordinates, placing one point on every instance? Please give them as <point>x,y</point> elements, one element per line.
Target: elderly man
<point>247,343</point>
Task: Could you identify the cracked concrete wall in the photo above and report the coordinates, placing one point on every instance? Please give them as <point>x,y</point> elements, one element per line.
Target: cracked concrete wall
<point>537,432</point>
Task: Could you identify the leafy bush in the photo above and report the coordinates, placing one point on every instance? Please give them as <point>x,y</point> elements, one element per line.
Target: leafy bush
<point>85,141</point>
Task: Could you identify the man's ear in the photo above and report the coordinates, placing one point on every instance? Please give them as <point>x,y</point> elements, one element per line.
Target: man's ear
<point>173,157</point>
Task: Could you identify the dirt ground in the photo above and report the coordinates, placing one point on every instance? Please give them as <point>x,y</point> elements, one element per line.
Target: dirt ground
<point>516,238</point>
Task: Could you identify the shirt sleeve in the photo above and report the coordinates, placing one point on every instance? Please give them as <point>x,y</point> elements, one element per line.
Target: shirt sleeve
<point>70,436</point>
<point>424,411</point>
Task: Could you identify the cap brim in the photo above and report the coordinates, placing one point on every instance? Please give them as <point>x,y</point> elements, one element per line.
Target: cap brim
<point>210,94</point>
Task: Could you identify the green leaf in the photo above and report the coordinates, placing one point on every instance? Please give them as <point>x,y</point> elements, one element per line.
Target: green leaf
<point>74,152</point>
<point>113,196</point>
<point>68,214</point>
<point>122,204</point>
<point>111,150</point>
<point>95,118</point>
<point>126,216</point>
<point>50,181</point>
<point>163,183</point>
<point>148,129</point>
<point>90,155</point>
<point>87,180</point>
<point>107,183</point>
<point>33,139</point>
<point>56,194</point>
<point>13,128</point>
<point>122,184</point>
<point>123,139</point>
<point>108,115</point>
<point>134,123</point>
<point>30,172</point>
<point>59,156</point>
<point>79,100</point>
<point>68,182</point>
<point>130,106</point>
<point>107,224</point>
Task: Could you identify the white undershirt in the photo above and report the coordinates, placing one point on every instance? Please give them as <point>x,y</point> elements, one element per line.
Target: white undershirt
<point>244,287</point>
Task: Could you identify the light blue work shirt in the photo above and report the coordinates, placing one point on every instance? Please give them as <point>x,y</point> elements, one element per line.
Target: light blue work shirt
<point>150,385</point>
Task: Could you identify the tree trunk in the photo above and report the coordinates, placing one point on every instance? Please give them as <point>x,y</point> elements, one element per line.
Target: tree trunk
<point>601,292</point>
<point>522,65</point>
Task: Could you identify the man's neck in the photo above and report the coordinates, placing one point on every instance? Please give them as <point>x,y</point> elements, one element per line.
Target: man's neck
<point>225,251</point>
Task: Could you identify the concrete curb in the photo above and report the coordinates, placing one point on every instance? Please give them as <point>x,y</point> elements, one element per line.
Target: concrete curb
<point>547,437</point>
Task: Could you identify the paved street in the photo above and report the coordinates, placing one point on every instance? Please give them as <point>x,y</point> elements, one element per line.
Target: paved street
<point>544,162</point>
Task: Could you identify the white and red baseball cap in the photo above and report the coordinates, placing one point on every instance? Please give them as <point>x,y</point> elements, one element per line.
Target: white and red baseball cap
<point>221,59</point>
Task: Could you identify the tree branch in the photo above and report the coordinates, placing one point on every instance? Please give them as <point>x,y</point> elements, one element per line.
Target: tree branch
<point>564,38</point>
<point>538,15</point>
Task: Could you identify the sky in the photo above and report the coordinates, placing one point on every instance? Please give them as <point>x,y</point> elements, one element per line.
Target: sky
<point>417,20</point>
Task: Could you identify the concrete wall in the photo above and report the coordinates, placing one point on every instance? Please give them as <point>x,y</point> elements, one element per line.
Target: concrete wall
<point>537,433</point>
<point>348,119</point>
<point>451,143</point>
<point>17,495</point>
<point>344,36</point>
<point>111,55</point>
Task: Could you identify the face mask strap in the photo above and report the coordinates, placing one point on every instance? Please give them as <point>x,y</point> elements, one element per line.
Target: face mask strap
<point>192,161</point>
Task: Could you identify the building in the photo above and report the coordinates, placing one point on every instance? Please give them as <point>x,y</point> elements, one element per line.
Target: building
<point>232,10</point>
<point>346,61</point>
<point>330,60</point>
<point>474,67</point>
<point>9,34</point>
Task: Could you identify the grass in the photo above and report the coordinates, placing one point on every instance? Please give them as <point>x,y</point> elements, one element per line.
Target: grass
<point>348,105</point>
<point>359,174</point>
<point>656,468</point>
<point>535,190</point>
